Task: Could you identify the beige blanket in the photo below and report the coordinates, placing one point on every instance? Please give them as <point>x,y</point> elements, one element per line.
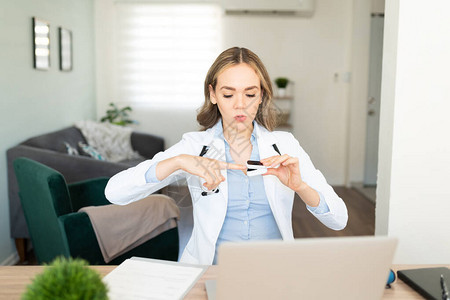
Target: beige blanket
<point>122,228</point>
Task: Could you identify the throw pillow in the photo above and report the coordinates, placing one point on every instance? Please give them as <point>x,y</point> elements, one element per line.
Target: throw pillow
<point>91,151</point>
<point>71,150</point>
<point>113,142</point>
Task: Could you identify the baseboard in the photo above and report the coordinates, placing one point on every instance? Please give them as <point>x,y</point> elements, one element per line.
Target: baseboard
<point>11,260</point>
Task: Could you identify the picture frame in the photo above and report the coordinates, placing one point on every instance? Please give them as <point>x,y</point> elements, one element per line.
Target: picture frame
<point>41,44</point>
<point>65,49</point>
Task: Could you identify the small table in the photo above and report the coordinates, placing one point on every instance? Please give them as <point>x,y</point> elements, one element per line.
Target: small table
<point>14,279</point>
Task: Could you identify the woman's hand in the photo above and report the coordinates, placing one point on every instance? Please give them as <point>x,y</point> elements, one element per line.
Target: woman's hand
<point>206,168</point>
<point>288,172</point>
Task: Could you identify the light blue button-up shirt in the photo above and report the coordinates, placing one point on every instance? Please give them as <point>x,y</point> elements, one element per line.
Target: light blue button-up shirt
<point>248,216</point>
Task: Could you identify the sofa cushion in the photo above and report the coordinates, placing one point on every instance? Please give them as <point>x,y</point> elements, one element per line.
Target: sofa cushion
<point>55,140</point>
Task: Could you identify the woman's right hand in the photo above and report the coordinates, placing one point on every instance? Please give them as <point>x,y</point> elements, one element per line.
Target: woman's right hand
<point>206,168</point>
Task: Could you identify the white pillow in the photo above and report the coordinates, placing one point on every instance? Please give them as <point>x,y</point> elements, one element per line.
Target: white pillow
<point>113,142</point>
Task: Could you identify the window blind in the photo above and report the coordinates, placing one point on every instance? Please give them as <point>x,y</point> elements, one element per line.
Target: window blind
<point>163,52</point>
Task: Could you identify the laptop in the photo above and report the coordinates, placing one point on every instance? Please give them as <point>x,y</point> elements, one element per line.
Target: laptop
<point>314,268</point>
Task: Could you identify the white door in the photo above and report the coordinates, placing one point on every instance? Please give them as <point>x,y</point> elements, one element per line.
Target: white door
<point>373,105</point>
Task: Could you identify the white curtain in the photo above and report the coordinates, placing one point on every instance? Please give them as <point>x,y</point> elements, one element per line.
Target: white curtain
<point>163,52</point>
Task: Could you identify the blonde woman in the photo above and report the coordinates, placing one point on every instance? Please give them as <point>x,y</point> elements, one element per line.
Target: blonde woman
<point>228,204</point>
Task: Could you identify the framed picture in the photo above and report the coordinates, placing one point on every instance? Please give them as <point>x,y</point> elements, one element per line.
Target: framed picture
<point>41,44</point>
<point>65,49</point>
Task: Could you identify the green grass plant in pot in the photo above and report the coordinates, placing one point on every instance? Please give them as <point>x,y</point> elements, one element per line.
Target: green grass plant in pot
<point>64,279</point>
<point>281,83</point>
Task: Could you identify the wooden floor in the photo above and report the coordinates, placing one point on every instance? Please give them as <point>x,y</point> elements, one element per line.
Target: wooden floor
<point>361,217</point>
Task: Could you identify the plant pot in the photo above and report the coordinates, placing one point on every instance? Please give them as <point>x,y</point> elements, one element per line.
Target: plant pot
<point>281,92</point>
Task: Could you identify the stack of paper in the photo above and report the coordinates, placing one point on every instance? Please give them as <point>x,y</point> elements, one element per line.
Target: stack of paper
<point>143,278</point>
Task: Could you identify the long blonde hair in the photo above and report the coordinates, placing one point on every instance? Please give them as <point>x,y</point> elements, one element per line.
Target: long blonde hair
<point>208,115</point>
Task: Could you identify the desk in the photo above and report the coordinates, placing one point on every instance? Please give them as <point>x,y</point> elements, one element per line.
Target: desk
<point>14,279</point>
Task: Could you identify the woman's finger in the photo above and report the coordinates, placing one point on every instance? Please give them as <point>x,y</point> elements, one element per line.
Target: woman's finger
<point>270,162</point>
<point>210,185</point>
<point>271,158</point>
<point>278,160</point>
<point>215,184</point>
<point>218,178</point>
<point>271,171</point>
<point>268,159</point>
<point>290,161</point>
<point>224,165</point>
<point>214,180</point>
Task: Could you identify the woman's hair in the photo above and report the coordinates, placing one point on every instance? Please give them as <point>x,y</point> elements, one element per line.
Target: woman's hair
<point>209,114</point>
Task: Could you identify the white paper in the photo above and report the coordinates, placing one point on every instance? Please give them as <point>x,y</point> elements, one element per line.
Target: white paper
<point>150,279</point>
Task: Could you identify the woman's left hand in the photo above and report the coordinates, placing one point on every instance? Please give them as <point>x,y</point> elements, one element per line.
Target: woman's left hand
<point>288,172</point>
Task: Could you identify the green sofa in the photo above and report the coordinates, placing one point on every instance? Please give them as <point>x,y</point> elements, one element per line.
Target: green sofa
<point>56,228</point>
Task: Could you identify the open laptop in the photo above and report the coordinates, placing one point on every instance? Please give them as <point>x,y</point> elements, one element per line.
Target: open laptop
<point>314,268</point>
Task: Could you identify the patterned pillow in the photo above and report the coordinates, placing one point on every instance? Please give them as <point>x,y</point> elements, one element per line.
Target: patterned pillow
<point>71,150</point>
<point>91,151</point>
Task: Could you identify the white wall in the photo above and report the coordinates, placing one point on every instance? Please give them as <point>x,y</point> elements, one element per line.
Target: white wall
<point>357,115</point>
<point>414,162</point>
<point>310,51</point>
<point>35,102</point>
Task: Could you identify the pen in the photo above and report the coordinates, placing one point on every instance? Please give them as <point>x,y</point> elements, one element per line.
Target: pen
<point>444,289</point>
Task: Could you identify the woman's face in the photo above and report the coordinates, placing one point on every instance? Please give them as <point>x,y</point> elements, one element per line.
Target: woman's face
<point>237,95</point>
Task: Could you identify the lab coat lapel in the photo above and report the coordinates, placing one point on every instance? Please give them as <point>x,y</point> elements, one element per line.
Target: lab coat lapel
<point>217,151</point>
<point>265,141</point>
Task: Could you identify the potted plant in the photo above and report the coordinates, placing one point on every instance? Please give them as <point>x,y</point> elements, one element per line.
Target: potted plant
<point>118,116</point>
<point>67,278</point>
<point>281,83</point>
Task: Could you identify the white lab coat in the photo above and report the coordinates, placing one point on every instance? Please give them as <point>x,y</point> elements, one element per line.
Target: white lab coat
<point>209,211</point>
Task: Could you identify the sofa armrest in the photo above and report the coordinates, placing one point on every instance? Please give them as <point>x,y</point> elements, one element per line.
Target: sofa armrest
<point>73,168</point>
<point>81,238</point>
<point>89,192</point>
<point>146,144</point>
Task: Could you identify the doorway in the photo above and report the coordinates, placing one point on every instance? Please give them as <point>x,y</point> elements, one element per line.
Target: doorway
<point>373,104</point>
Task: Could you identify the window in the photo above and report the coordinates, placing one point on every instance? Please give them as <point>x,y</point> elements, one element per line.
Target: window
<point>163,52</point>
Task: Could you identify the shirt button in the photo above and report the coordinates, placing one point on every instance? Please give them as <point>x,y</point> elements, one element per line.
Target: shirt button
<point>245,222</point>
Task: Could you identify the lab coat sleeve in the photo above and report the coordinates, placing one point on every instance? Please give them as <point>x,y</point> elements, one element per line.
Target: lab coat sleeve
<point>130,185</point>
<point>337,216</point>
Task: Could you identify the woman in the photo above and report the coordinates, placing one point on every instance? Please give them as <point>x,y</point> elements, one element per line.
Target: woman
<point>238,119</point>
